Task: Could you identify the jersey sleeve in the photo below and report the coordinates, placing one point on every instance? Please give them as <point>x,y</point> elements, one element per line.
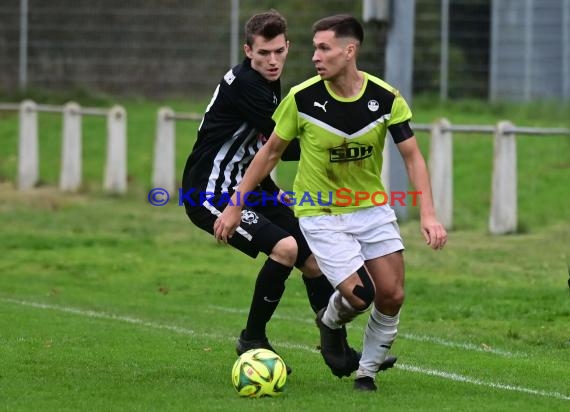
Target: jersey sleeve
<point>399,123</point>
<point>400,112</point>
<point>286,118</point>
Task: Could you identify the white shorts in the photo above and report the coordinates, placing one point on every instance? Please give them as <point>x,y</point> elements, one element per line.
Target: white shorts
<point>342,243</point>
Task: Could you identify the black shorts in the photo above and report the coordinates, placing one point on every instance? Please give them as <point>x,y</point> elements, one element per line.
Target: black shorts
<point>261,227</point>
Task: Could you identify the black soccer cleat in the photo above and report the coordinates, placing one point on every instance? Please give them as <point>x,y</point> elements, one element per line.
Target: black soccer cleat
<point>365,384</point>
<point>388,363</point>
<point>243,345</point>
<point>337,354</point>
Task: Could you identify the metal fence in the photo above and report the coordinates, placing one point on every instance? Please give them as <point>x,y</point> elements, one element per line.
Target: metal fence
<point>503,208</point>
<point>165,48</point>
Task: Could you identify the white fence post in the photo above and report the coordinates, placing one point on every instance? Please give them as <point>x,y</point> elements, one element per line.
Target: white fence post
<point>70,176</point>
<point>503,217</point>
<point>441,171</point>
<point>164,153</point>
<point>28,163</point>
<point>116,165</point>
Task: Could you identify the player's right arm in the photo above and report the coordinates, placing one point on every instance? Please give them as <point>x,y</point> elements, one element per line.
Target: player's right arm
<point>261,165</point>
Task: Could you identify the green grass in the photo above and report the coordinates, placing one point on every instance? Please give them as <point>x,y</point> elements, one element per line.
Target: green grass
<point>108,303</point>
<point>112,304</point>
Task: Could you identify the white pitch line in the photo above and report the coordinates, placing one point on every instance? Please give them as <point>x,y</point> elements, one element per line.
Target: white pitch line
<point>461,378</point>
<point>408,336</point>
<point>461,345</point>
<point>173,328</point>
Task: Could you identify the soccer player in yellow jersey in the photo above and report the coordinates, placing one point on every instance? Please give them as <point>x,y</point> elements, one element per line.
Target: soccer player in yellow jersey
<point>341,117</point>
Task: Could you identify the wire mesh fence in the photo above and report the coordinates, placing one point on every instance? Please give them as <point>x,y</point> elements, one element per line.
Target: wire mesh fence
<point>160,48</point>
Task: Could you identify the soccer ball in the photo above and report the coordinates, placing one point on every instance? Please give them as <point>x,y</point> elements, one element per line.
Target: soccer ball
<point>259,372</point>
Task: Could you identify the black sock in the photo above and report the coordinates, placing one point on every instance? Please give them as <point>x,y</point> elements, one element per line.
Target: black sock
<point>269,288</point>
<point>319,290</point>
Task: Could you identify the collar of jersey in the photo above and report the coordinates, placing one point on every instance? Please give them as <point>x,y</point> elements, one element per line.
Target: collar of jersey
<point>352,98</point>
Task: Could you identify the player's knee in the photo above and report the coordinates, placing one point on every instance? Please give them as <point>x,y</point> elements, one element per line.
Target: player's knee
<point>364,293</point>
<point>285,251</point>
<point>390,301</point>
<point>399,297</point>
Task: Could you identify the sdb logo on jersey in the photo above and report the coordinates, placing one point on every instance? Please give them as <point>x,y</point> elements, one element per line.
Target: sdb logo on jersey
<point>350,152</point>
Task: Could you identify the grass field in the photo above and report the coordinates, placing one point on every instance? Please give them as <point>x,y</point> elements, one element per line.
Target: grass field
<point>110,304</point>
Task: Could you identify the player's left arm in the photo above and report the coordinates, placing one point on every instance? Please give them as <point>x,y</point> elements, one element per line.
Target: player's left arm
<point>433,231</point>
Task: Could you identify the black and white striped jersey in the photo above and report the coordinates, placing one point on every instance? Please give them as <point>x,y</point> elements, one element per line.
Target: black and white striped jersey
<point>235,125</point>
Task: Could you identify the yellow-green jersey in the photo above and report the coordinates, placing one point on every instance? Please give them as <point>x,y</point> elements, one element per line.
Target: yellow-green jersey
<point>342,140</point>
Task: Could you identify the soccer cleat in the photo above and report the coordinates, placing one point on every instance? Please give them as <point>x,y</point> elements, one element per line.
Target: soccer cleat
<point>243,345</point>
<point>365,384</point>
<point>339,357</point>
<point>388,363</point>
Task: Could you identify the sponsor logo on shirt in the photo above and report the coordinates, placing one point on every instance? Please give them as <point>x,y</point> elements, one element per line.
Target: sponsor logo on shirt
<point>349,152</point>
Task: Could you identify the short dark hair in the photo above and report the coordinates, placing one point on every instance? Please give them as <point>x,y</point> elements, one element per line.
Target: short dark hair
<point>343,25</point>
<point>269,25</point>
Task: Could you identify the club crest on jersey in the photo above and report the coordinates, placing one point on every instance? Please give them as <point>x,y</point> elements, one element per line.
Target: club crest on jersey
<point>229,77</point>
<point>249,217</point>
<point>349,152</point>
<point>373,105</point>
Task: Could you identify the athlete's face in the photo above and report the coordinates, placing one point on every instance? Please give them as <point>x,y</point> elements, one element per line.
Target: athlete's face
<point>268,56</point>
<point>331,54</point>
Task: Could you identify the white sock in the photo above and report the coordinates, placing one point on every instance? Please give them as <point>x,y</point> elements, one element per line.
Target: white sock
<point>379,335</point>
<point>339,311</point>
